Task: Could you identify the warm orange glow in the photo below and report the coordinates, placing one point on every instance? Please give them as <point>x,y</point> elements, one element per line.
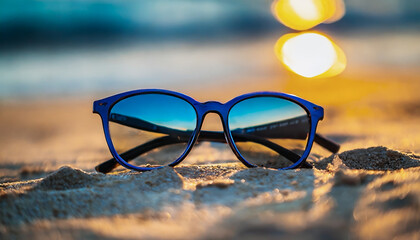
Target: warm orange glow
<point>340,10</point>
<point>305,14</point>
<point>310,55</point>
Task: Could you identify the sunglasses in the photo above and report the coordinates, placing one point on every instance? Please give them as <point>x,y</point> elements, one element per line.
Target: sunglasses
<point>151,128</point>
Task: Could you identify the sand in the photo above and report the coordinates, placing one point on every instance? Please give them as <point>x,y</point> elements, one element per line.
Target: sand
<point>337,198</point>
<point>369,190</point>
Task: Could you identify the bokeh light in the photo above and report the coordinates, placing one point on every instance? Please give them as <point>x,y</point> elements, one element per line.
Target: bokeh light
<point>305,14</point>
<point>310,54</point>
<point>340,10</point>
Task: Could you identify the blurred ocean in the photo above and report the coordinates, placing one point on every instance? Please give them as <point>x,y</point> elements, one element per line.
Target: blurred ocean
<point>78,47</point>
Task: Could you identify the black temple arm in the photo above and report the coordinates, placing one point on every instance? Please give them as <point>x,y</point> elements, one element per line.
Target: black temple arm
<point>280,129</point>
<point>326,143</point>
<point>129,155</point>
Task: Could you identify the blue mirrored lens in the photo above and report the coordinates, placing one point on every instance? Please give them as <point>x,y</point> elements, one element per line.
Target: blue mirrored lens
<point>269,131</point>
<point>152,129</point>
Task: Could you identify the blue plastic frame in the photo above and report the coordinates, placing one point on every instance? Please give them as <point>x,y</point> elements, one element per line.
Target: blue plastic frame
<point>103,107</point>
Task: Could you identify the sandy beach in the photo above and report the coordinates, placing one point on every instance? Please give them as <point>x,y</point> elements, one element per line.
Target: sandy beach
<point>370,190</point>
<point>359,60</point>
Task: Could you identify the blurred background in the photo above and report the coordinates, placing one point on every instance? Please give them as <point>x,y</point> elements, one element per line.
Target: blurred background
<point>84,48</point>
<point>56,57</point>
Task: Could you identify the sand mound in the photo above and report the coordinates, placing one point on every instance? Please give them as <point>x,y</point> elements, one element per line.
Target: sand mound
<point>71,192</point>
<point>66,178</point>
<point>373,158</point>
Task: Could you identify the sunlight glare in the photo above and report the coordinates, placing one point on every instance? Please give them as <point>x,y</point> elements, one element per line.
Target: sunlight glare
<point>310,55</point>
<point>305,9</point>
<point>305,14</point>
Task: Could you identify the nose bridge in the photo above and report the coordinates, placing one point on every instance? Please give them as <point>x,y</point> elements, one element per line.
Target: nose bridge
<point>213,113</point>
<point>213,106</point>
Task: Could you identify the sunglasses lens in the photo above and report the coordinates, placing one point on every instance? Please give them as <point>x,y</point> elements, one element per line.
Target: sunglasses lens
<point>269,131</point>
<point>151,129</point>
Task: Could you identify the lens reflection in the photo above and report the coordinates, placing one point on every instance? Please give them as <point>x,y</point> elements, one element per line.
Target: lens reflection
<point>151,130</point>
<point>269,131</point>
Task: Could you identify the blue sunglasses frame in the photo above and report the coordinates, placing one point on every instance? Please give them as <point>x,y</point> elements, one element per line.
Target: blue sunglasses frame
<point>104,106</point>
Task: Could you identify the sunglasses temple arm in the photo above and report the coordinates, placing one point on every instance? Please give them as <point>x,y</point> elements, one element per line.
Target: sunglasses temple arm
<point>109,165</point>
<point>293,157</point>
<point>326,143</point>
<point>281,129</point>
